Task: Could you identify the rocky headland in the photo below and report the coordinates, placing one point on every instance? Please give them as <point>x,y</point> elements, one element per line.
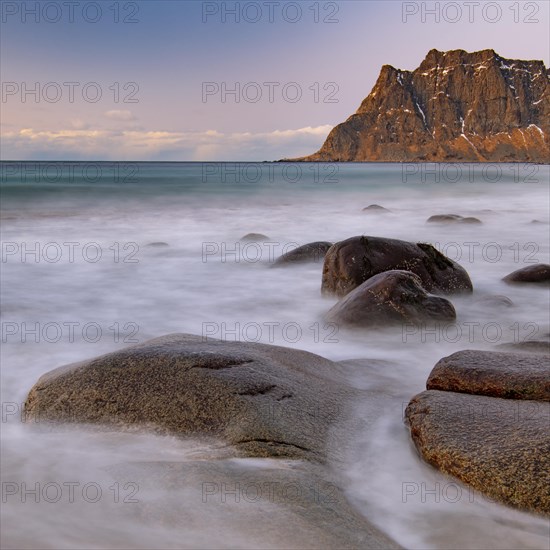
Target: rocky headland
<point>455,107</point>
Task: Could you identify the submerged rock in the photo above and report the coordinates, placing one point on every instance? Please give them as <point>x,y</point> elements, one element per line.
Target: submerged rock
<point>452,218</point>
<point>391,297</point>
<point>496,301</point>
<point>351,262</point>
<point>376,208</point>
<point>276,505</point>
<point>254,237</point>
<point>263,400</point>
<point>312,252</point>
<point>528,346</point>
<point>538,274</point>
<point>443,218</point>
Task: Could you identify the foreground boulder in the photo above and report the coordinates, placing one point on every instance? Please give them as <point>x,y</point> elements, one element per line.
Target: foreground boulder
<point>263,400</point>
<point>392,297</point>
<point>495,374</point>
<point>312,252</point>
<point>539,274</point>
<point>351,262</point>
<point>500,447</point>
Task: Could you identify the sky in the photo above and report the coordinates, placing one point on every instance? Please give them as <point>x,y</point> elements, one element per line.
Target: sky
<point>192,80</point>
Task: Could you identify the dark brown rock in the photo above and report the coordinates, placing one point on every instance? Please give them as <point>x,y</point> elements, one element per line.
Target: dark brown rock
<point>500,447</point>
<point>392,297</point>
<point>312,252</point>
<point>351,262</point>
<point>262,400</point>
<point>495,374</point>
<point>455,107</point>
<point>537,274</point>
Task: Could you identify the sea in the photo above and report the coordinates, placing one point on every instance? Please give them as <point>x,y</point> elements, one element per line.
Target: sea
<point>97,256</point>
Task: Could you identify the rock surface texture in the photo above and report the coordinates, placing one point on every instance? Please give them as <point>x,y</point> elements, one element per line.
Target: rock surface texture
<point>390,298</point>
<point>495,374</point>
<point>249,400</point>
<point>537,274</point>
<point>485,418</point>
<point>261,400</point>
<point>308,253</point>
<point>351,262</point>
<point>456,106</point>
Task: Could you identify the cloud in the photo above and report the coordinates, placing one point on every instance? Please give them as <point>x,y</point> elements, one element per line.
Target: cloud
<point>83,144</point>
<point>78,124</point>
<point>119,115</point>
<point>317,131</point>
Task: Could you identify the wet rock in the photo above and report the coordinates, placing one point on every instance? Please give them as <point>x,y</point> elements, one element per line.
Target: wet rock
<point>444,218</point>
<point>536,274</point>
<point>500,447</point>
<point>528,346</point>
<point>312,252</point>
<point>492,373</point>
<point>376,208</point>
<point>254,237</point>
<point>392,297</point>
<point>286,505</point>
<point>496,301</point>
<point>351,262</point>
<point>262,400</point>
<point>452,218</point>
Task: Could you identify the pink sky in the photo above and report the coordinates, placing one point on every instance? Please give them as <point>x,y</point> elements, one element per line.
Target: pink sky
<point>162,72</point>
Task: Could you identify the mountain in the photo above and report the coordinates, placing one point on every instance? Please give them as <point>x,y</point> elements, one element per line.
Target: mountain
<point>457,106</point>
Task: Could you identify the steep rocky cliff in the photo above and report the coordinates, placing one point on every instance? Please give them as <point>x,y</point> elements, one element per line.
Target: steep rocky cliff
<point>457,106</point>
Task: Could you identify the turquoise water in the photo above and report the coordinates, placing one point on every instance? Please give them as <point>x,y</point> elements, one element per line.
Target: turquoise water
<point>78,251</point>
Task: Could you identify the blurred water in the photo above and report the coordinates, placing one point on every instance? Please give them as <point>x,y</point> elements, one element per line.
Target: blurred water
<point>121,290</point>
